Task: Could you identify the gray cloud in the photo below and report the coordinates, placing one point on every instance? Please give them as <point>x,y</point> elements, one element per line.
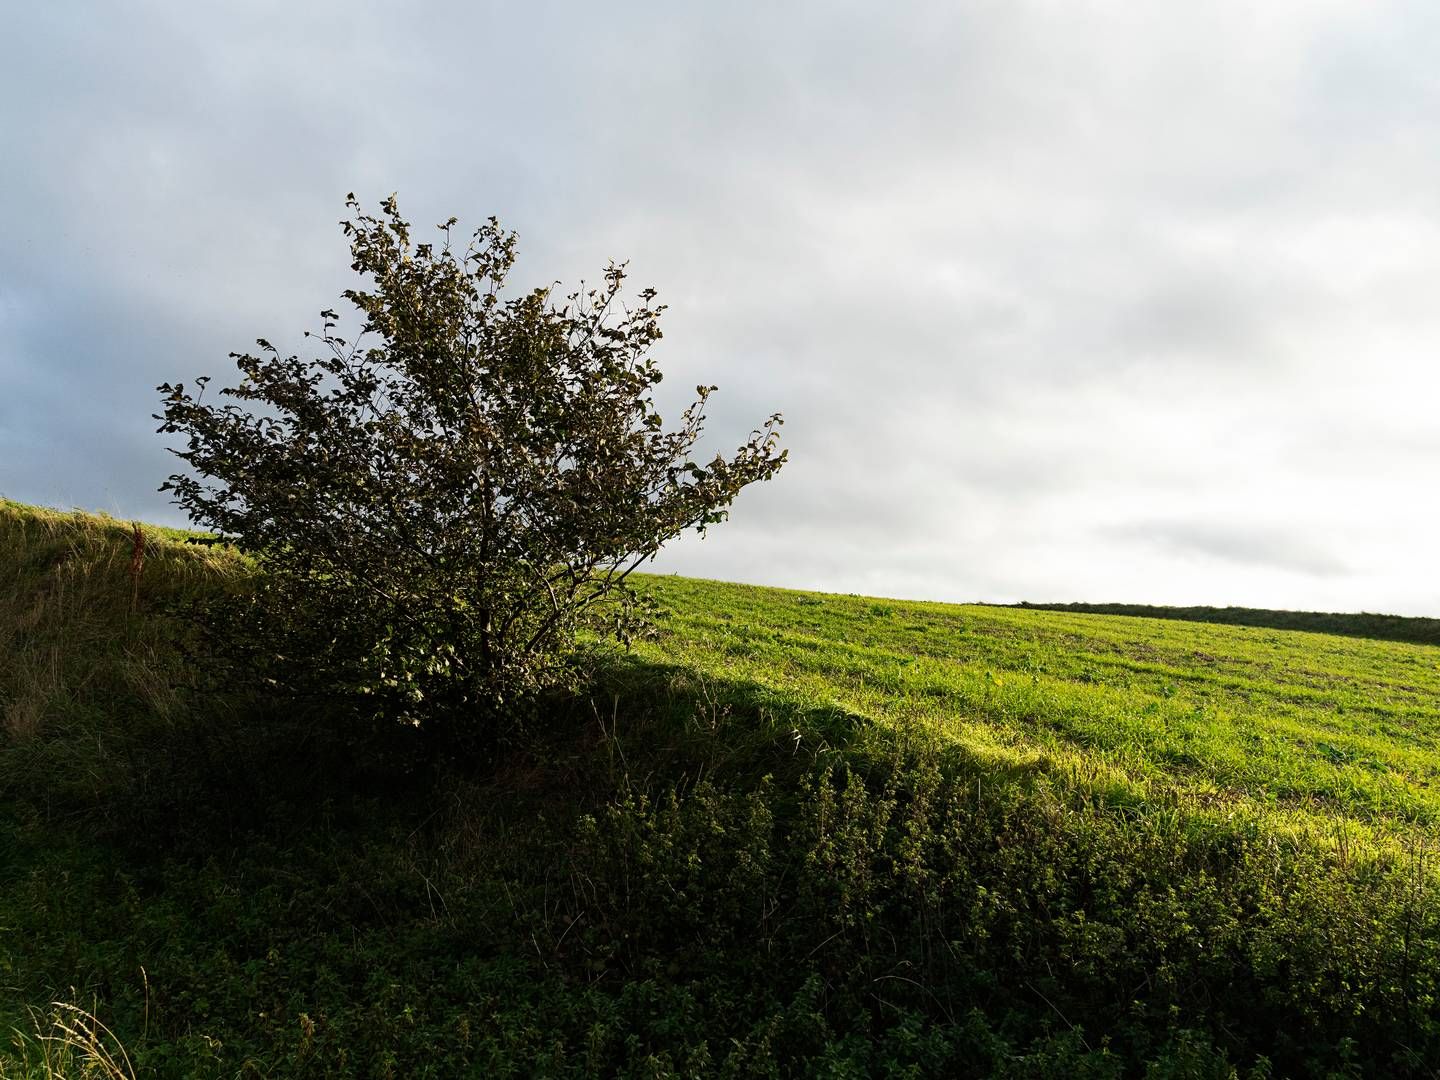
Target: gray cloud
<point>1262,546</point>
<point>1061,302</point>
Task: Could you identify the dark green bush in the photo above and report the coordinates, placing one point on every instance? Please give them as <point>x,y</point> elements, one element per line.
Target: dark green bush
<point>653,905</point>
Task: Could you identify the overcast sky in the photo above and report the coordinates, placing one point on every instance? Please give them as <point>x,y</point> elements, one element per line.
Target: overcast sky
<point>1061,301</point>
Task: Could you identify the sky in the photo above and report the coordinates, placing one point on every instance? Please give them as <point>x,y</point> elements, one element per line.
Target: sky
<point>1062,301</point>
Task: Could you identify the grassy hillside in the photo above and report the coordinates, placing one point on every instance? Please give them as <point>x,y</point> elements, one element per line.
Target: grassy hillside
<point>794,834</point>
<point>1420,631</point>
<point>1325,734</point>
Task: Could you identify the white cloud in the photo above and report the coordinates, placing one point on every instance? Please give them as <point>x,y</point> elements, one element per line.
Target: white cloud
<point>1063,301</point>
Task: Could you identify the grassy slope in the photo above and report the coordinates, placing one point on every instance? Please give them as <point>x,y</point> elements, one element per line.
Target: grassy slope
<point>1419,631</point>
<point>795,834</point>
<point>1314,731</point>
<point>80,638</point>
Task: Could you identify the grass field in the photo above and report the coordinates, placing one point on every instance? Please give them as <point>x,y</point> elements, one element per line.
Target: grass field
<point>794,834</point>
<point>1324,733</point>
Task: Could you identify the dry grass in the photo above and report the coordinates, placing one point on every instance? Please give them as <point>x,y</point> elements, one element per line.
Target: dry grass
<point>72,590</point>
<point>68,1043</point>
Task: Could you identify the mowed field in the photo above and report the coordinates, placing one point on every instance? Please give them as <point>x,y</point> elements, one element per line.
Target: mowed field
<point>1330,734</point>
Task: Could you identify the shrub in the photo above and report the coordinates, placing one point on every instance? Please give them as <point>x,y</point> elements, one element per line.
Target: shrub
<point>440,504</point>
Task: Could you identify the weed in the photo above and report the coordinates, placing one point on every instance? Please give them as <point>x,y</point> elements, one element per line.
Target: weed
<point>66,1042</point>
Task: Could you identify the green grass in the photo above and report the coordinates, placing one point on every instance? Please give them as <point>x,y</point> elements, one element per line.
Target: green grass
<point>794,834</point>
<point>1328,734</point>
<point>1419,631</point>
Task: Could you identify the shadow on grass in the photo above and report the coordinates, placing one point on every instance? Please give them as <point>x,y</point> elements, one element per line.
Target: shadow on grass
<point>205,782</point>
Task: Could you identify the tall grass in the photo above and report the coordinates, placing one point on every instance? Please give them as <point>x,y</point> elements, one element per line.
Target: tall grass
<point>88,651</point>
<point>66,1042</point>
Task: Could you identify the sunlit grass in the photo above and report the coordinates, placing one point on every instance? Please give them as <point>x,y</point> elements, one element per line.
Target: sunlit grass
<point>65,1042</point>
<point>1321,735</point>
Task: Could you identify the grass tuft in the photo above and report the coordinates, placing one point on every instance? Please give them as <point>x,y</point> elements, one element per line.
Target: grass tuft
<point>66,1042</point>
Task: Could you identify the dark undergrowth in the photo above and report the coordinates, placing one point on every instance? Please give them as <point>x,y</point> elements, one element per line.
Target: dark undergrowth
<point>671,883</point>
<point>665,876</point>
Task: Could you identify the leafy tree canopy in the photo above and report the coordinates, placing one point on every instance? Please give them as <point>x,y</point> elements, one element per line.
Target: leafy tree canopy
<point>439,505</point>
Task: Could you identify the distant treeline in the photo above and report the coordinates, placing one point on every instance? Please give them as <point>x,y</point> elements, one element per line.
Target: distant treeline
<point>1419,631</point>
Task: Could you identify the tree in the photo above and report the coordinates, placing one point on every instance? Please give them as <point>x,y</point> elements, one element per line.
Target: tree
<point>439,505</point>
